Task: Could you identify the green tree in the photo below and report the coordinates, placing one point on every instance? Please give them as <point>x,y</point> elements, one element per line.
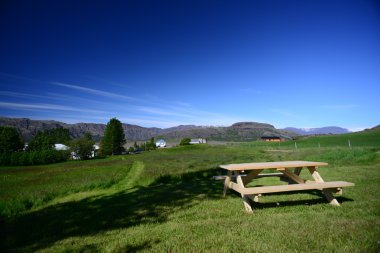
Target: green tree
<point>59,135</point>
<point>10,139</point>
<point>45,140</point>
<point>83,147</point>
<point>185,141</point>
<point>113,139</point>
<point>150,145</point>
<point>41,141</point>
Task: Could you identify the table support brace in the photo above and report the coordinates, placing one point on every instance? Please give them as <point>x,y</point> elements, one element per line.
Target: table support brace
<point>328,193</point>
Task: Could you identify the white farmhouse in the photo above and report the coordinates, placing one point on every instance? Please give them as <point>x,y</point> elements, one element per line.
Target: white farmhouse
<point>161,143</point>
<point>198,141</point>
<point>59,146</point>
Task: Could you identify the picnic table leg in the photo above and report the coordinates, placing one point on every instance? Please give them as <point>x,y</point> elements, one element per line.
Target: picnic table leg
<point>254,198</point>
<point>227,182</point>
<point>293,177</point>
<point>297,171</point>
<point>328,193</point>
<point>248,178</point>
<point>245,198</point>
<point>290,178</point>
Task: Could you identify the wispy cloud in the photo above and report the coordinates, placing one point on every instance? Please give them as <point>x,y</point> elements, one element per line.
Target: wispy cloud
<point>337,107</point>
<point>94,91</point>
<point>21,95</point>
<point>49,107</point>
<point>160,111</point>
<point>108,82</point>
<point>149,110</point>
<point>151,122</point>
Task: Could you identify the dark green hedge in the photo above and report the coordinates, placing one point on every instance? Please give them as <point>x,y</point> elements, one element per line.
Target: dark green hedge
<point>33,157</point>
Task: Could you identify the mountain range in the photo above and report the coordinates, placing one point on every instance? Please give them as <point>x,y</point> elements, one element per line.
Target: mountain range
<point>242,131</point>
<point>320,130</point>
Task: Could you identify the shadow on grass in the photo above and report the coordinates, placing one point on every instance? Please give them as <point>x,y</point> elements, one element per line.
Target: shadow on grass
<point>41,228</point>
<point>299,202</point>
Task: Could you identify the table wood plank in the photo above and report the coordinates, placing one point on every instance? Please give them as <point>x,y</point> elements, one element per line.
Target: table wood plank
<point>271,165</point>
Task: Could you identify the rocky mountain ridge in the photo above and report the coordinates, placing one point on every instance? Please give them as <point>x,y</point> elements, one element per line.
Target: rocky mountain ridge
<point>242,131</point>
<point>320,130</point>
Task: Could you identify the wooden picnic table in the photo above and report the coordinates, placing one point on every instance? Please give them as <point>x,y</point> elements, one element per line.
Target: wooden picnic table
<point>289,169</point>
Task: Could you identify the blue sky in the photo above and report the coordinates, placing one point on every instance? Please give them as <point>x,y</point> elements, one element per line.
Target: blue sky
<point>166,63</point>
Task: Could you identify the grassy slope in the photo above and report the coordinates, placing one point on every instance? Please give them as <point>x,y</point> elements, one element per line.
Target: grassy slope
<point>165,201</point>
<point>370,138</point>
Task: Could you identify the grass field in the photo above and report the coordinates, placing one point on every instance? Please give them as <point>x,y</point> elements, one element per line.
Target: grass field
<point>166,201</point>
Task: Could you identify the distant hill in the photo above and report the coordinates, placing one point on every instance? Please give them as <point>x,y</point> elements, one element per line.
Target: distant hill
<point>376,127</point>
<point>321,130</point>
<point>29,128</point>
<point>243,131</point>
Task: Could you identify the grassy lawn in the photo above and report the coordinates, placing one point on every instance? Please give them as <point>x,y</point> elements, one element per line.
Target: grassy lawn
<point>166,201</point>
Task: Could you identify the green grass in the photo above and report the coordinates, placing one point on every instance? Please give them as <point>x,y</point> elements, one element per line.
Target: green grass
<point>370,138</point>
<point>22,188</point>
<point>166,201</point>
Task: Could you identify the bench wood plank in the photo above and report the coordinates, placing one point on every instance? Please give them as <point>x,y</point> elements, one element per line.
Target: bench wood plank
<point>292,187</point>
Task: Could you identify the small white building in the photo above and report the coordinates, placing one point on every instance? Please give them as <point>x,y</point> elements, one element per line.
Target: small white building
<point>95,151</point>
<point>161,144</point>
<point>198,141</point>
<point>59,146</point>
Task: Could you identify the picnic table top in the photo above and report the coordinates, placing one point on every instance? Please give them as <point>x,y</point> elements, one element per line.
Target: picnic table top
<point>271,165</point>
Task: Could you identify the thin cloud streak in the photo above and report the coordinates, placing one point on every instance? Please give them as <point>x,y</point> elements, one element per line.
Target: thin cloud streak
<point>186,115</point>
<point>21,95</point>
<point>150,122</point>
<point>94,91</point>
<point>160,111</point>
<point>49,107</point>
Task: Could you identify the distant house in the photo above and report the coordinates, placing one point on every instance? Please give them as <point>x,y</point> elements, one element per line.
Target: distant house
<point>271,138</point>
<point>59,146</point>
<point>198,141</point>
<point>161,144</point>
<point>95,151</point>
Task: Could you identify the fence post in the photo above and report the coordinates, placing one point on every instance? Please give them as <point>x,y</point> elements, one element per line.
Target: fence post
<point>349,143</point>
<point>295,145</point>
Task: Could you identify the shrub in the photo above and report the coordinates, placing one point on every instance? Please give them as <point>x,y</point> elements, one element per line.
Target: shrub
<point>185,141</point>
<point>83,147</point>
<point>33,157</point>
<point>10,139</point>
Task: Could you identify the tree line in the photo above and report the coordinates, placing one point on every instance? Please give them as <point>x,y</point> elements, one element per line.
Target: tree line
<point>41,149</point>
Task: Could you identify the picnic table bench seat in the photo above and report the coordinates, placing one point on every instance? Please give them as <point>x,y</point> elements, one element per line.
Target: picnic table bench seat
<point>290,187</point>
